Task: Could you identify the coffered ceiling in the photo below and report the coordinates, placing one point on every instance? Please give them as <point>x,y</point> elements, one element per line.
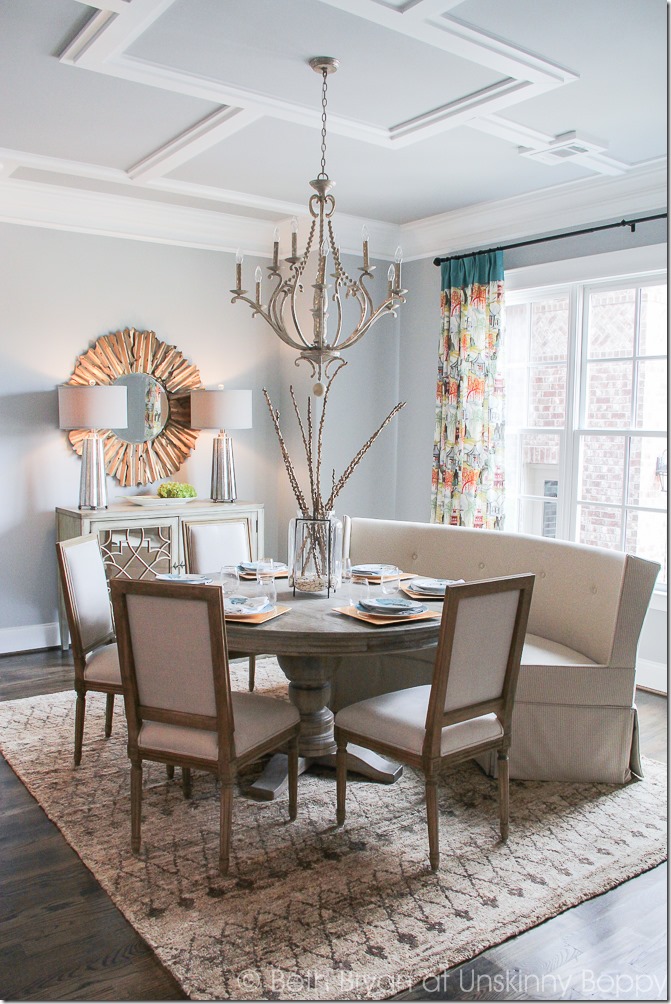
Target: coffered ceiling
<point>198,121</point>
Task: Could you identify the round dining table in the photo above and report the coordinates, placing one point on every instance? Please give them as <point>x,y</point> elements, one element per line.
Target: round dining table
<point>313,642</point>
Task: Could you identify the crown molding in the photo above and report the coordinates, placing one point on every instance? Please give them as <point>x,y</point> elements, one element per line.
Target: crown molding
<point>574,204</point>
<point>486,224</point>
<point>58,208</point>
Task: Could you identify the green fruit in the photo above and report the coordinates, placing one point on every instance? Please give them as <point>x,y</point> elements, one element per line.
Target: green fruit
<point>176,490</point>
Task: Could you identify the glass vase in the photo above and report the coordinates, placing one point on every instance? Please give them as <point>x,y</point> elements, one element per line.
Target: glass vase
<point>315,554</point>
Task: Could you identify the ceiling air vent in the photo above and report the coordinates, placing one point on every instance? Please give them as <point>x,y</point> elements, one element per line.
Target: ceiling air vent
<point>561,148</point>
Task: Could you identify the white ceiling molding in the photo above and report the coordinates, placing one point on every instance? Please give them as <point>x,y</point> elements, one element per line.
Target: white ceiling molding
<point>493,223</point>
<point>426,22</point>
<point>486,224</point>
<point>101,45</point>
<point>57,208</point>
<point>152,211</point>
<point>202,136</point>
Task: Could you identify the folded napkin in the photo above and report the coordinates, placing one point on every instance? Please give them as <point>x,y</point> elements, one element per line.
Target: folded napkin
<point>185,577</point>
<point>391,606</point>
<point>373,569</point>
<point>246,604</point>
<point>252,566</point>
<point>432,587</point>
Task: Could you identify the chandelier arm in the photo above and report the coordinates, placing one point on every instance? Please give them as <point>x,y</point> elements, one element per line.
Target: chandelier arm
<point>277,306</point>
<point>278,328</point>
<point>364,303</point>
<point>338,302</point>
<point>387,307</point>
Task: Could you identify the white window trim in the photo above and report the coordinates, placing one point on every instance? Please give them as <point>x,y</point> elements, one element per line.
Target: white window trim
<point>550,277</point>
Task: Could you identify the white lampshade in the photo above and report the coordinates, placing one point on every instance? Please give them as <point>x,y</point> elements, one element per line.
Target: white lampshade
<point>92,407</point>
<point>221,409</point>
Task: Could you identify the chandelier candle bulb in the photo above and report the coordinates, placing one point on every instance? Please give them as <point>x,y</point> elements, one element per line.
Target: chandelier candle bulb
<point>398,258</point>
<point>257,276</point>
<point>238,269</point>
<point>364,237</point>
<point>323,252</point>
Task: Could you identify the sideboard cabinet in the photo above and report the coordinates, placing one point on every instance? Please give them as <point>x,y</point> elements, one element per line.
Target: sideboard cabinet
<point>142,541</point>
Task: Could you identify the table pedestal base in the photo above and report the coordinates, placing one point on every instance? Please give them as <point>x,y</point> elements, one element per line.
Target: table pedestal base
<point>273,781</point>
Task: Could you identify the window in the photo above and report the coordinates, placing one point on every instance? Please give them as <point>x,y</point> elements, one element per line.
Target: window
<point>586,414</point>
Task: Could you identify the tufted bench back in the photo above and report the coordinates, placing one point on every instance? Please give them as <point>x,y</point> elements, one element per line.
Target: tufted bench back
<point>578,588</point>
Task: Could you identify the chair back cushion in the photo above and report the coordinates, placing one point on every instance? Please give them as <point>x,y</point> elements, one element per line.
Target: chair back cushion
<point>480,648</point>
<point>85,583</point>
<point>208,546</point>
<point>172,653</point>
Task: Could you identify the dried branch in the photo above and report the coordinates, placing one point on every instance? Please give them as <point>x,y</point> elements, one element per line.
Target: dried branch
<point>307,443</point>
<point>354,463</point>
<point>293,480</point>
<point>319,508</point>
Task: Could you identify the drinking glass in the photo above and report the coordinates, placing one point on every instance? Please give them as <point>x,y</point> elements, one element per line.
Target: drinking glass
<point>391,580</point>
<point>265,578</point>
<point>347,583</point>
<point>229,579</point>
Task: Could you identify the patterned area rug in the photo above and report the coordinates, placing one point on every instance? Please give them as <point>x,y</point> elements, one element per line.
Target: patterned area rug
<point>310,912</point>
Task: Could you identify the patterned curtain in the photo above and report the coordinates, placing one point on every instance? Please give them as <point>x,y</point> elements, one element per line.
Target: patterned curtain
<point>467,478</point>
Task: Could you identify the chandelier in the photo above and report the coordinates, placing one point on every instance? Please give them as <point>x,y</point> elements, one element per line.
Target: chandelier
<point>321,348</point>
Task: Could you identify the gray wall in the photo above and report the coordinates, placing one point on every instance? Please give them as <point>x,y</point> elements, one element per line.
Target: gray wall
<point>61,291</point>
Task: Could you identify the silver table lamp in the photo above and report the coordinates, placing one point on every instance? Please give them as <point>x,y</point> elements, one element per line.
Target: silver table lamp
<point>222,409</point>
<point>92,407</point>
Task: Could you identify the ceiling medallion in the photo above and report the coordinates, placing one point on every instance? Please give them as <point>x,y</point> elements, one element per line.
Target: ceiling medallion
<point>321,347</point>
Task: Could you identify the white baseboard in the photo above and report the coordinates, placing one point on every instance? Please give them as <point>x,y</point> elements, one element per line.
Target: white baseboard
<point>32,636</point>
<point>652,676</point>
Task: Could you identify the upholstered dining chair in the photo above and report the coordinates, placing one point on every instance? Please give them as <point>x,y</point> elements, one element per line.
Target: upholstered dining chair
<point>89,616</point>
<point>177,694</point>
<point>208,546</point>
<point>468,707</point>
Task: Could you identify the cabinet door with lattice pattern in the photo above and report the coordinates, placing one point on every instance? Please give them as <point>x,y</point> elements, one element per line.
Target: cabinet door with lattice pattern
<point>139,552</point>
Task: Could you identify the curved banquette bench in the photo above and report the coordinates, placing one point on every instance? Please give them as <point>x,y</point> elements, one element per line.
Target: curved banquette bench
<point>575,717</point>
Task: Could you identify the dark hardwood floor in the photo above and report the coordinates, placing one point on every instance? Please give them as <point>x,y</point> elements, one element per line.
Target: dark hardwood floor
<point>63,939</point>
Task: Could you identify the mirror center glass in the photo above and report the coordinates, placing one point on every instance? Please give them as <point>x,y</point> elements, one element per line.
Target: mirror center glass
<point>148,408</point>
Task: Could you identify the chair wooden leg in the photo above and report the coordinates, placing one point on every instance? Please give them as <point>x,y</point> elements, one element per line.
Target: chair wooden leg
<point>186,782</point>
<point>252,671</point>
<point>80,713</point>
<point>504,789</point>
<point>170,771</point>
<point>293,778</point>
<point>225,819</point>
<point>341,779</point>
<point>135,805</point>
<point>109,714</point>
<point>432,821</point>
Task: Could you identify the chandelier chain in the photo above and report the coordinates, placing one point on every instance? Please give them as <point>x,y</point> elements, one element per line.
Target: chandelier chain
<point>322,173</point>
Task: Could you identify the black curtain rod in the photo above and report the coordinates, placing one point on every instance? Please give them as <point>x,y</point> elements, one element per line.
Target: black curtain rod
<point>554,237</point>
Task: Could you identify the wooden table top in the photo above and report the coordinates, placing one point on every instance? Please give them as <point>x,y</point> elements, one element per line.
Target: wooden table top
<point>313,627</point>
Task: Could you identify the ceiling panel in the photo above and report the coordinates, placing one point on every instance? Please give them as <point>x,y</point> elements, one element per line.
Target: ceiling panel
<point>63,111</point>
<point>392,185</point>
<point>210,104</point>
<point>384,77</point>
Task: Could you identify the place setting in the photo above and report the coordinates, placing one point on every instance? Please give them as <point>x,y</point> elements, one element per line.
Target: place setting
<point>372,593</point>
<point>249,569</point>
<point>377,573</point>
<point>428,588</point>
<point>254,604</point>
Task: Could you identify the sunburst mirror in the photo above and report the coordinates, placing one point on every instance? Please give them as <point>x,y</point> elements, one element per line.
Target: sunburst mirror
<point>159,380</point>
